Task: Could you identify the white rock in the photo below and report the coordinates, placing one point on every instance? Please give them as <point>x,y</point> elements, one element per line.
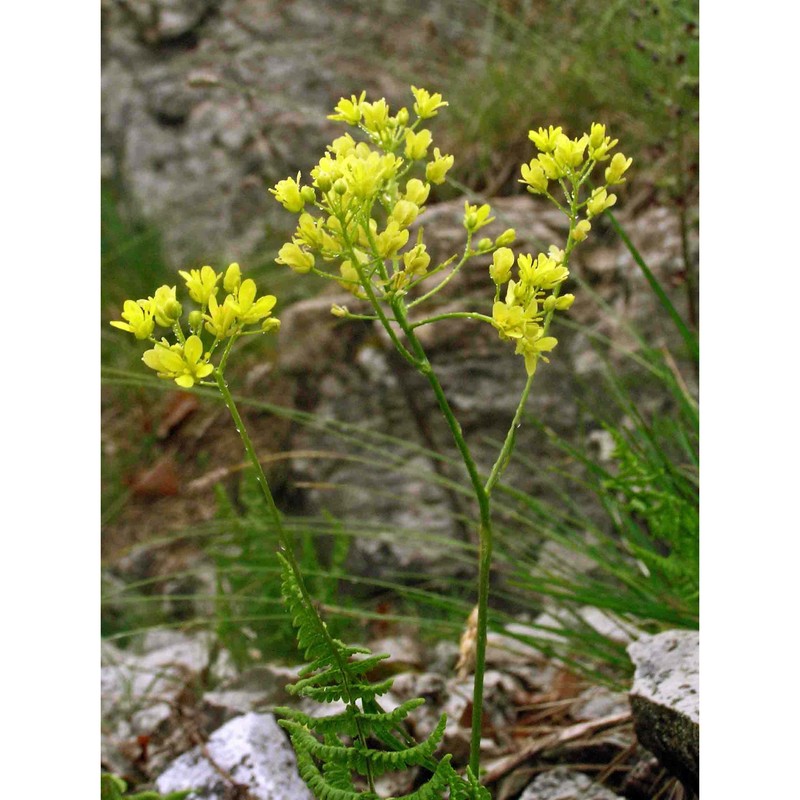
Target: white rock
<point>253,750</point>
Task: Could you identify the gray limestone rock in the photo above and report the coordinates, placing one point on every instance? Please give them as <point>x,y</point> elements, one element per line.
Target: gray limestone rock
<point>665,700</point>
<point>252,750</point>
<point>566,784</point>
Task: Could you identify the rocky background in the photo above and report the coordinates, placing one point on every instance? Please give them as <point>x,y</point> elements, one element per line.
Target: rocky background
<point>206,103</point>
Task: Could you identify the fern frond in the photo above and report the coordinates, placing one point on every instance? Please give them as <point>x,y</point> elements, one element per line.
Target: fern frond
<point>332,750</point>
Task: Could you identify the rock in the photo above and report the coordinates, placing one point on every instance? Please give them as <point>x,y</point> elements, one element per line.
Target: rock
<point>598,701</point>
<point>566,784</point>
<point>256,689</point>
<point>665,700</point>
<point>139,692</point>
<point>254,752</point>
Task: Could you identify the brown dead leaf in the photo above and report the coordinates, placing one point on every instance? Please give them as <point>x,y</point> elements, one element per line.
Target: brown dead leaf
<point>179,406</point>
<point>160,480</point>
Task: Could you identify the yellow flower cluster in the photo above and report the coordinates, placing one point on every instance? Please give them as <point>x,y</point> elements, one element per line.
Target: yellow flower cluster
<point>186,361</point>
<point>520,317</point>
<point>569,162</point>
<point>357,210</point>
<point>524,316</point>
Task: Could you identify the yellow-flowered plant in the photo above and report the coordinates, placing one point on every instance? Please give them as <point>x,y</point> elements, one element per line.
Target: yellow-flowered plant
<point>187,359</point>
<point>355,216</point>
<point>354,226</point>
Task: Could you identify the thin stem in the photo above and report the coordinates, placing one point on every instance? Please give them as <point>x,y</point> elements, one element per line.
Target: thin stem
<point>284,537</point>
<point>446,280</point>
<point>454,315</point>
<point>484,532</point>
<point>511,437</point>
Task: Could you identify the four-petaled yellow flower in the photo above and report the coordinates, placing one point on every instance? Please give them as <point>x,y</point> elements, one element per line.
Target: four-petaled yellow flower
<point>201,283</point>
<point>248,309</point>
<point>349,111</point>
<point>184,363</point>
<point>138,318</point>
<point>426,104</point>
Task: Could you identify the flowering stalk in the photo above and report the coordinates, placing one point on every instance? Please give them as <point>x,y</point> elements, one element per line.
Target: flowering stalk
<point>357,213</point>
<point>187,364</point>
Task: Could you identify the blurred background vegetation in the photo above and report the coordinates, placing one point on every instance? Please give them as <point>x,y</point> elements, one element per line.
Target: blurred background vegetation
<point>633,65</point>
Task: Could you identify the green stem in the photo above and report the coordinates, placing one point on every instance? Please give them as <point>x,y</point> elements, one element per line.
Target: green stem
<point>454,315</point>
<point>484,531</point>
<point>511,436</point>
<point>284,537</point>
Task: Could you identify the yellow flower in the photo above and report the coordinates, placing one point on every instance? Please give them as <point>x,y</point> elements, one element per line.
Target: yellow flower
<point>600,200</point>
<point>184,364</point>
<point>426,104</point>
<point>534,176</point>
<point>436,170</point>
<point>545,140</point>
<point>417,192</point>
<point>512,320</point>
<point>581,230</point>
<point>138,318</point>
<point>250,310</point>
<point>617,168</point>
<point>375,115</point>
<point>165,306</point>
<point>532,345</point>
<point>417,144</point>
<point>349,111</point>
<point>221,320</point>
<point>289,194</point>
<point>404,213</point>
<point>502,261</point>
<point>475,218</point>
<point>416,260</point>
<point>597,135</point>
<point>569,152</point>
<point>309,231</point>
<point>552,168</point>
<point>389,241</point>
<point>295,257</point>
<point>506,237</point>
<point>201,283</point>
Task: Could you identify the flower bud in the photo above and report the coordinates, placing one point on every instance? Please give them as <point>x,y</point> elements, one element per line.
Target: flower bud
<point>506,237</point>
<point>485,244</point>
<point>502,261</point>
<point>195,320</point>
<point>339,311</point>
<point>270,324</point>
<point>232,279</point>
<point>340,187</point>
<point>565,301</point>
<point>323,182</point>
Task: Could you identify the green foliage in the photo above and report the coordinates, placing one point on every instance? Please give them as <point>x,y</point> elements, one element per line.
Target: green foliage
<point>249,583</point>
<point>335,752</point>
<point>112,787</point>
